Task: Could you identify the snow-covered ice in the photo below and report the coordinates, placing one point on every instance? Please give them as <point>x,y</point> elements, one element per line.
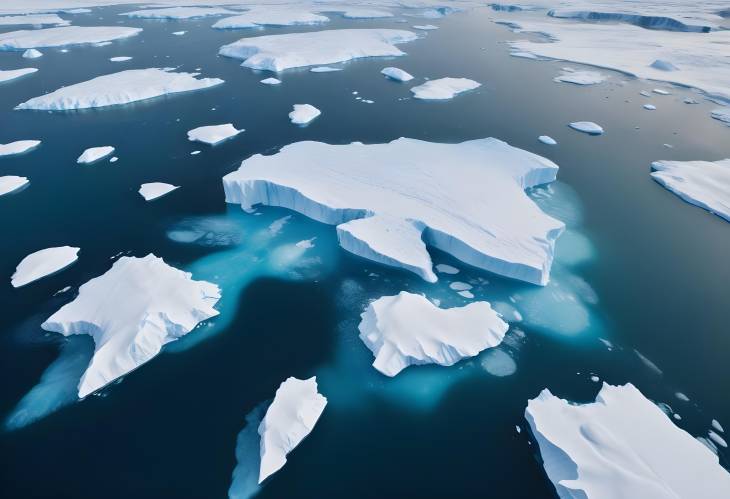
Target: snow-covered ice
<point>119,88</point>
<point>63,36</point>
<point>289,419</point>
<point>131,311</point>
<point>303,114</point>
<point>33,20</point>
<point>581,77</point>
<point>407,329</point>
<point>649,107</point>
<point>11,74</point>
<point>271,81</point>
<point>43,263</point>
<point>702,183</point>
<point>154,190</point>
<point>621,445</point>
<point>213,134</point>
<point>391,200</point>
<point>396,74</point>
<point>546,139</point>
<point>121,58</point>
<point>587,127</point>
<point>178,13</point>
<point>10,183</point>
<point>280,52</point>
<point>93,154</point>
<point>443,88</point>
<point>271,16</point>
<point>32,54</point>
<point>18,147</point>
<point>425,27</point>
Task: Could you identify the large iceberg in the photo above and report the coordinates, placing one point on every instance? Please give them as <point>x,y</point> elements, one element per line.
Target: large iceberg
<point>119,88</point>
<point>178,13</point>
<point>271,16</point>
<point>11,183</point>
<point>213,134</point>
<point>42,263</point>
<point>18,147</point>
<point>621,445</point>
<point>702,183</point>
<point>131,311</point>
<point>289,419</point>
<point>389,201</point>
<point>407,329</point>
<point>443,88</point>
<point>11,74</point>
<point>280,52</point>
<point>65,35</point>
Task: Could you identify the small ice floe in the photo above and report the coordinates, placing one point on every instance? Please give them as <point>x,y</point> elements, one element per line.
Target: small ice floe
<point>289,419</point>
<point>443,268</point>
<point>721,114</point>
<point>681,396</point>
<point>650,107</point>
<point>581,77</point>
<point>586,127</point>
<point>32,54</point>
<point>444,88</point>
<point>213,134</point>
<point>396,74</point>
<point>271,81</point>
<point>179,33</point>
<point>460,286</point>
<point>43,263</point>
<point>114,159</point>
<point>407,329</point>
<point>18,147</point>
<point>154,190</point>
<point>465,294</point>
<point>195,153</point>
<point>121,58</point>
<point>178,13</point>
<point>595,379</point>
<point>62,36</point>
<point>621,445</point>
<point>717,426</point>
<point>645,93</point>
<point>303,114</point>
<point>11,183</point>
<point>324,69</point>
<point>94,154</point>
<point>12,74</point>
<point>425,27</point>
<point>545,139</point>
<point>660,91</point>
<point>717,439</point>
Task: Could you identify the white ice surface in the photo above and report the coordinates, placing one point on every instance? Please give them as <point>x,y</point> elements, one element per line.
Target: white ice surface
<point>213,134</point>
<point>32,54</point>
<point>154,190</point>
<point>586,127</point>
<point>18,147</point>
<point>63,36</point>
<point>11,74</point>
<point>33,20</point>
<point>547,140</point>
<point>271,81</point>
<point>42,263</point>
<point>10,183</point>
<point>178,13</point>
<point>121,58</point>
<point>271,16</point>
<point>581,77</point>
<point>443,88</point>
<point>397,74</point>
<point>94,154</point>
<point>303,114</point>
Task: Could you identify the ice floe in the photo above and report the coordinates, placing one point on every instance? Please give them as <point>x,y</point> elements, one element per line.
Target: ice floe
<point>18,147</point>
<point>649,107</point>
<point>289,419</point>
<point>581,77</point>
<point>32,54</point>
<point>324,69</point>
<point>621,445</point>
<point>119,88</point>
<point>131,311</point>
<point>154,190</point>
<point>703,183</point>
<point>33,20</point>
<point>93,154</point>
<point>547,140</point>
<point>303,114</point>
<point>178,13</point>
<point>121,58</point>
<point>213,134</point>
<point>587,127</point>
<point>11,183</point>
<point>407,329</point>
<point>63,36</point>
<point>443,268</point>
<point>444,88</point>
<point>391,200</point>
<point>280,52</point>
<point>43,263</point>
<point>641,19</point>
<point>396,74</point>
<point>271,16</point>
<point>11,74</point>
<point>271,81</point>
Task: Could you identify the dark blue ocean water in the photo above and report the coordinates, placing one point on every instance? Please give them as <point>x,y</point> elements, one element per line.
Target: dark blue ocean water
<point>638,268</point>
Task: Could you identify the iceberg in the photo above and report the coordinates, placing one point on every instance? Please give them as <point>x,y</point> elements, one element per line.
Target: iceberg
<point>587,127</point>
<point>444,88</point>
<point>119,88</point>
<point>281,52</point>
<point>213,134</point>
<point>621,445</point>
<point>407,329</point>
<point>32,54</point>
<point>721,114</point>
<point>389,201</point>
<point>703,183</point>
<point>271,16</point>
<point>397,74</point>
<point>63,36</point>
<point>547,140</point>
<point>581,77</point>
<point>43,263</point>
<point>154,190</point>
<point>649,107</point>
<point>425,27</point>
<point>122,58</point>
<point>33,20</point>
<point>11,74</point>
<point>18,147</point>
<point>289,419</point>
<point>131,311</point>
<point>443,268</point>
<point>94,154</point>
<point>11,183</point>
<point>303,114</point>
<point>178,13</point>
<point>271,81</point>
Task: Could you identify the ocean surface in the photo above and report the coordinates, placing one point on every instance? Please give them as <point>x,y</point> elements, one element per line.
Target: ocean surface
<point>639,291</point>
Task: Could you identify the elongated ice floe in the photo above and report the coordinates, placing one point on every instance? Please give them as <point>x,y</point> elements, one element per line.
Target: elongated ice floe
<point>119,88</point>
<point>289,419</point>
<point>621,445</point>
<point>213,134</point>
<point>444,88</point>
<point>407,329</point>
<point>43,263</point>
<point>396,74</point>
<point>94,154</point>
<point>271,81</point>
<point>302,114</point>
<point>11,183</point>
<point>12,74</point>
<point>580,77</point>
<point>18,147</point>
<point>391,200</point>
<point>33,20</point>
<point>63,36</point>
<point>547,140</point>
<point>281,52</point>
<point>131,311</point>
<point>271,16</point>
<point>703,183</point>
<point>154,190</point>
<point>178,13</point>
<point>586,127</point>
<point>360,13</point>
<point>121,58</point>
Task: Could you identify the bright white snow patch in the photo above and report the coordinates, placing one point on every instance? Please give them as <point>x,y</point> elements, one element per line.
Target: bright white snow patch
<point>94,154</point>
<point>154,190</point>
<point>271,81</point>
<point>43,263</point>
<point>18,147</point>
<point>303,114</point>
<point>397,74</point>
<point>702,183</point>
<point>407,329</point>
<point>121,58</point>
<point>10,183</point>
<point>444,88</point>
<point>179,33</point>
<point>178,13</point>
<point>425,27</point>
<point>32,54</point>
<point>391,200</point>
<point>66,35</point>
<point>33,20</point>
<point>649,107</point>
<point>622,445</point>
<point>587,127</point>
<point>271,16</point>
<point>289,419</point>
<point>545,139</point>
<point>280,52</point>
<point>119,88</point>
<point>213,134</point>
<point>131,311</point>
<point>11,74</point>
<point>324,69</point>
<point>581,77</point>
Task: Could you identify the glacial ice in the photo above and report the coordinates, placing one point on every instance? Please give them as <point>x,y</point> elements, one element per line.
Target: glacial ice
<point>11,74</point>
<point>621,445</point>
<point>154,190</point>
<point>43,263</point>
<point>63,36</point>
<point>703,183</point>
<point>271,16</point>
<point>213,134</point>
<point>391,200</point>
<point>443,268</point>
<point>18,147</point>
<point>93,154</point>
<point>444,88</point>
<point>587,127</point>
<point>271,81</point>
<point>280,52</point>
<point>11,183</point>
<point>131,311</point>
<point>547,140</point>
<point>396,74</point>
<point>407,329</point>
<point>643,21</point>
<point>119,88</point>
<point>581,77</point>
<point>178,13</point>
<point>303,114</point>
<point>289,419</point>
<point>32,54</point>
